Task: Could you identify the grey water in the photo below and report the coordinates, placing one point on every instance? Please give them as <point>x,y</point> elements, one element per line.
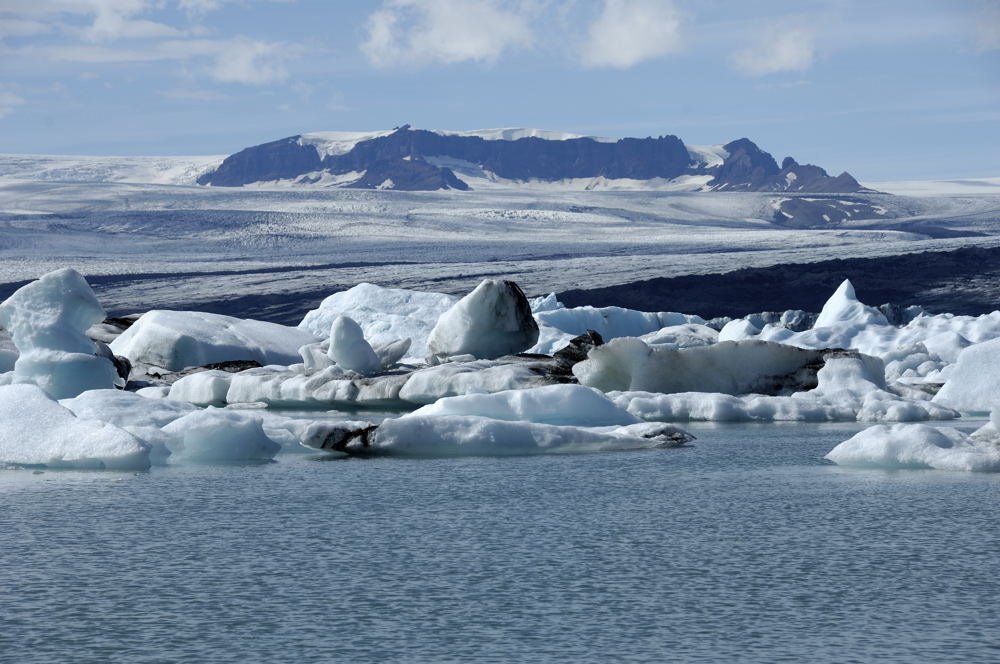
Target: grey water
<point>744,546</point>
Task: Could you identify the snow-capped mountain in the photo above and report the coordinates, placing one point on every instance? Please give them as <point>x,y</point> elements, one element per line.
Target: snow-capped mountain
<point>421,160</point>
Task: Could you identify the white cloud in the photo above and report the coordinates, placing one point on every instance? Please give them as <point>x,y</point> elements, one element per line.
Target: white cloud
<point>9,103</point>
<point>235,60</point>
<point>628,32</point>
<point>417,32</point>
<point>248,61</point>
<point>780,47</point>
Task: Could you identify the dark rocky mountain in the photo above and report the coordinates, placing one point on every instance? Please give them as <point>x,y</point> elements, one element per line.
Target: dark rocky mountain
<point>419,160</point>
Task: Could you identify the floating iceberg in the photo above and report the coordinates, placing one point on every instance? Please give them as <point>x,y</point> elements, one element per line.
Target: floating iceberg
<point>493,320</point>
<point>850,388</point>
<point>922,446</point>
<point>36,431</point>
<point>384,314</point>
<point>176,340</point>
<point>464,435</point>
<point>557,326</point>
<point>219,436</point>
<point>349,349</point>
<point>47,320</point>
<point>551,404</point>
<point>729,367</point>
<point>974,385</point>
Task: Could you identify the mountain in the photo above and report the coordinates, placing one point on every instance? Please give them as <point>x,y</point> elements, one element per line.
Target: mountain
<point>420,160</point>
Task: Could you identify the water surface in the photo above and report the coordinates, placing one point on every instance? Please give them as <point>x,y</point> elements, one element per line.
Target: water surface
<point>744,546</point>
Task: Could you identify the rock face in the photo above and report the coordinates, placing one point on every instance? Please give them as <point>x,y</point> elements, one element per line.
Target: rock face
<point>419,160</point>
<point>492,321</point>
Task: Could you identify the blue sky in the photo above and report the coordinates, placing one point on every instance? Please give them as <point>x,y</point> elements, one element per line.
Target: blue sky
<point>886,90</point>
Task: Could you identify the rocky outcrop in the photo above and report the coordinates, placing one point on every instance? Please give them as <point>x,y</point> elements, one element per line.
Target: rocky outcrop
<point>411,160</point>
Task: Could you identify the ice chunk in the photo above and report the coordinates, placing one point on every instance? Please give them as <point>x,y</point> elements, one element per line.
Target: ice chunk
<point>730,367</point>
<point>682,336</point>
<point>736,330</point>
<point>917,446</point>
<point>203,388</point>
<point>974,385</point>
<point>176,340</point>
<point>849,389</point>
<point>126,409</point>
<point>349,349</point>
<point>843,307</point>
<point>219,436</point>
<point>384,314</point>
<point>47,320</point>
<point>546,303</point>
<point>493,320</point>
<point>551,404</point>
<point>456,378</point>
<point>610,322</point>
<point>36,430</point>
<point>391,353</point>
<point>454,435</point>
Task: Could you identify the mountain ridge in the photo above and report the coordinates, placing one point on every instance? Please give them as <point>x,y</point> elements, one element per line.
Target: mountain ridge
<point>422,160</point>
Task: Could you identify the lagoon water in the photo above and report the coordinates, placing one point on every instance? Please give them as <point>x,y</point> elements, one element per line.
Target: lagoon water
<point>744,546</point>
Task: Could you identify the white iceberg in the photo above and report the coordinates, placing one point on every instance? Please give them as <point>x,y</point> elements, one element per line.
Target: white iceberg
<point>47,320</point>
<point>729,367</point>
<point>36,431</point>
<point>464,435</point>
<point>849,389</point>
<point>215,436</point>
<point>176,340</point>
<point>349,349</point>
<point>492,321</point>
<point>574,405</point>
<point>558,325</point>
<point>922,446</point>
<point>384,314</point>
<point>974,385</point>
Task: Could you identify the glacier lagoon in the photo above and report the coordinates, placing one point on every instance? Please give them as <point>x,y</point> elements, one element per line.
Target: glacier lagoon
<point>744,545</point>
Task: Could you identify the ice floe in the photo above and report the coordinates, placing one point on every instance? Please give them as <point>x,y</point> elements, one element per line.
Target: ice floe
<point>175,340</point>
<point>922,446</point>
<point>36,431</point>
<point>384,314</point>
<point>974,384</point>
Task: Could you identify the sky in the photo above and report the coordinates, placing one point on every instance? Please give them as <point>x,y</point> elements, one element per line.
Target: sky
<point>900,89</point>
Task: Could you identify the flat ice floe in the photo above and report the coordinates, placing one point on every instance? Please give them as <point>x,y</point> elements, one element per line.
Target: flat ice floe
<point>175,340</point>
<point>922,446</point>
<point>36,431</point>
<point>469,435</point>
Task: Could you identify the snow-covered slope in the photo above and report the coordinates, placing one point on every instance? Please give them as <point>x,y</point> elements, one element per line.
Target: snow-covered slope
<point>148,170</point>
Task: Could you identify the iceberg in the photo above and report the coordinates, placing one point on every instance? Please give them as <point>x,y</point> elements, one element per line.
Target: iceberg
<point>922,446</point>
<point>384,315</point>
<point>215,436</point>
<point>729,367</point>
<point>35,430</point>
<point>974,385</point>
<point>850,388</point>
<point>465,435</point>
<point>349,349</point>
<point>175,340</point>
<point>493,320</point>
<point>551,404</point>
<point>47,320</point>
